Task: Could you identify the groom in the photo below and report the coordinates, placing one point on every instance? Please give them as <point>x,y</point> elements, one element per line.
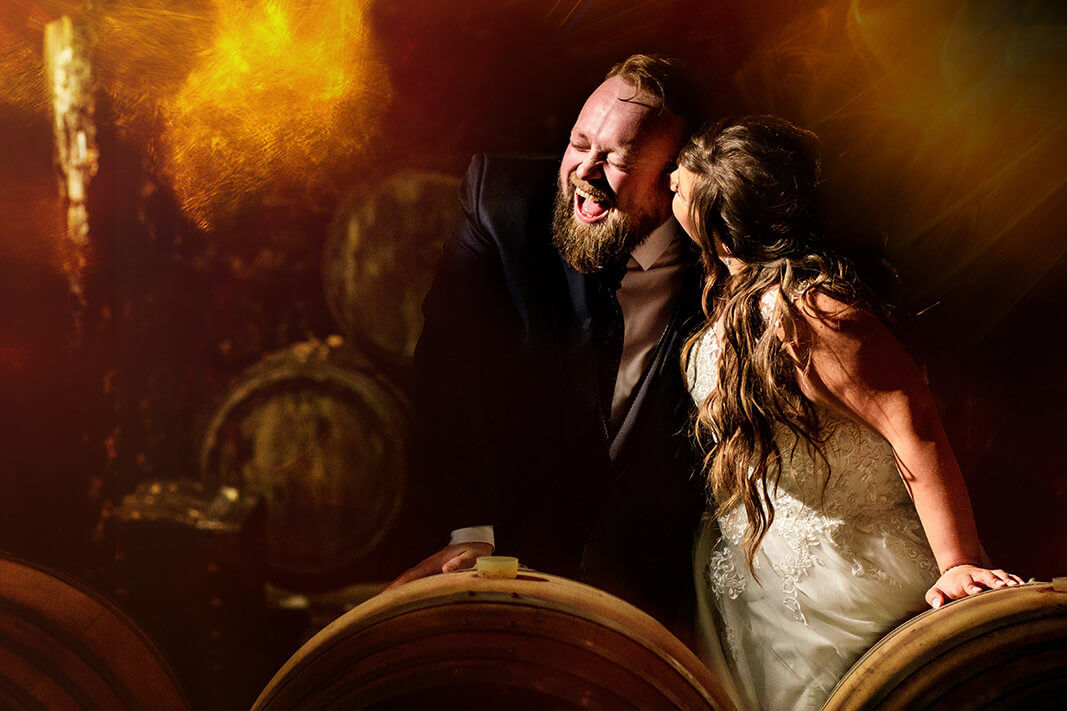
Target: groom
<point>552,412</point>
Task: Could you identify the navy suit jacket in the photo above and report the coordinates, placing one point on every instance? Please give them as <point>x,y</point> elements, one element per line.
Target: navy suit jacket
<point>510,427</point>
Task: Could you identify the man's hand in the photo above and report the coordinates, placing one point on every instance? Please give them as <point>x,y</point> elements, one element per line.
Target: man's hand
<point>453,557</point>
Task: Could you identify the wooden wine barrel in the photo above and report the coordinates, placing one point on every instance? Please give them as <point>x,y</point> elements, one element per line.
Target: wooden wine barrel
<point>323,438</point>
<point>460,641</point>
<point>380,259</point>
<point>64,646</point>
<point>1001,649</point>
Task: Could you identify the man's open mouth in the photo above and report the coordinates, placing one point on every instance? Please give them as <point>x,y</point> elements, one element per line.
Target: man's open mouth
<point>589,207</point>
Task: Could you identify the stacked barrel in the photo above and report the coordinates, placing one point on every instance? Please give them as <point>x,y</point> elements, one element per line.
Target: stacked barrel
<point>301,507</point>
<point>322,430</point>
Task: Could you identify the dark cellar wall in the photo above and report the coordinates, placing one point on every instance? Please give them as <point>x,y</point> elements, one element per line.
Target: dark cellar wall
<point>194,307</point>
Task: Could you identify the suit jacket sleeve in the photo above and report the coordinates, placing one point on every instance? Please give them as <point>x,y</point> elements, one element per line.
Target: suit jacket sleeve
<point>460,374</point>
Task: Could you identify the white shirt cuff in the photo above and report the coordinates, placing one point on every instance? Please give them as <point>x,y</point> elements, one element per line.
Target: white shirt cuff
<point>473,534</point>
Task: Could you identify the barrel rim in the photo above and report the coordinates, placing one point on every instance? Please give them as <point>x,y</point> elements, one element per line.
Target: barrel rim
<point>99,598</point>
<point>408,597</point>
<point>260,382</point>
<point>332,249</point>
<point>895,644</point>
<point>354,373</point>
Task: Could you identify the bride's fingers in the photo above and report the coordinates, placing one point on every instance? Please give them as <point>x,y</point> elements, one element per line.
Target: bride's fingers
<point>989,578</point>
<point>954,589</point>
<point>935,598</point>
<point>960,586</point>
<point>1008,578</point>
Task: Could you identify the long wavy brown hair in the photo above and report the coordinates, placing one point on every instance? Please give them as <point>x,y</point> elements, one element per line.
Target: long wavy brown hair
<point>753,197</point>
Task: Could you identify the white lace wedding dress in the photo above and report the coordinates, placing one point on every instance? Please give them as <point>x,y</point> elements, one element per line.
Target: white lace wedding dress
<point>839,568</point>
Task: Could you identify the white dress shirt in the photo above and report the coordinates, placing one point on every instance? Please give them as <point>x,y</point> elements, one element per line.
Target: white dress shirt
<point>647,296</point>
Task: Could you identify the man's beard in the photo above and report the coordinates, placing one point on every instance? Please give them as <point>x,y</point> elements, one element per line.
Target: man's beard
<point>590,247</point>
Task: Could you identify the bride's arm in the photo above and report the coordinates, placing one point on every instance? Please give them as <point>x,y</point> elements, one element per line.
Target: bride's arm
<point>849,361</point>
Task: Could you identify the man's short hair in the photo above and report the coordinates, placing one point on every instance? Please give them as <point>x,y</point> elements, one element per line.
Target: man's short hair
<point>664,78</point>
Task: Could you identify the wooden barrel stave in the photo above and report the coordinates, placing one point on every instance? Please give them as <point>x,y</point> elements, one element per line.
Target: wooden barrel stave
<point>984,690</point>
<point>322,437</point>
<point>462,678</point>
<point>965,655</point>
<point>598,670</point>
<point>428,640</point>
<point>552,694</point>
<point>1036,694</point>
<point>48,690</point>
<point>34,651</point>
<point>994,650</point>
<point>13,696</point>
<point>380,257</point>
<point>62,645</point>
<point>381,672</point>
<point>546,635</point>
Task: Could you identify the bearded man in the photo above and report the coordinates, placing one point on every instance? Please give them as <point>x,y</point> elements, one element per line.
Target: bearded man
<point>550,400</point>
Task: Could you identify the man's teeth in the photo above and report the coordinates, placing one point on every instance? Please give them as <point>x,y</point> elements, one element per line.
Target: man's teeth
<point>589,196</point>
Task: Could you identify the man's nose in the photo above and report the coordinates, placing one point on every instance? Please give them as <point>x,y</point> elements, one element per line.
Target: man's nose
<point>590,168</point>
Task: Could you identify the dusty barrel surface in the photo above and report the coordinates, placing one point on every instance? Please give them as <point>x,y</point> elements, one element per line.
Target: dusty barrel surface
<point>459,641</point>
<point>323,438</point>
<point>65,646</point>
<point>1000,649</point>
<point>380,259</point>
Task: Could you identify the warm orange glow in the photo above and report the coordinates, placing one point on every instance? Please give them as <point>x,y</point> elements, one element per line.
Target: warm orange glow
<point>23,87</point>
<point>283,90</point>
<point>235,96</point>
<point>34,219</point>
<point>949,112</point>
<point>21,75</point>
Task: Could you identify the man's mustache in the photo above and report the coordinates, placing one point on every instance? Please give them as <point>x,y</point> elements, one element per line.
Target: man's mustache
<point>593,191</point>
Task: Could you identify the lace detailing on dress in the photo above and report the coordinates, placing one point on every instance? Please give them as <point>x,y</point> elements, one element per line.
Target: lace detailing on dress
<point>861,499</point>
<point>722,575</point>
<point>702,372</point>
<point>873,500</point>
<point>802,530</point>
<point>844,560</point>
<point>767,308</point>
<point>703,369</point>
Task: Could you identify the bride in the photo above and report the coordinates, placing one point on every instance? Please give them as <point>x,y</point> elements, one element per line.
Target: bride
<point>838,504</point>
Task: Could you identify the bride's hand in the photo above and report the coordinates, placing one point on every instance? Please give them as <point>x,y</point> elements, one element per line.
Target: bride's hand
<point>963,580</point>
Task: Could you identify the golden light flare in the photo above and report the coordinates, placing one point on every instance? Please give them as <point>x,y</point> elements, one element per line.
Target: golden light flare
<point>236,96</point>
<point>34,219</point>
<point>951,113</point>
<point>145,49</point>
<point>23,87</point>
<point>22,79</point>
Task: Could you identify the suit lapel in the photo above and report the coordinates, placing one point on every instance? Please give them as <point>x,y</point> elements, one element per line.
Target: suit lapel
<point>578,352</point>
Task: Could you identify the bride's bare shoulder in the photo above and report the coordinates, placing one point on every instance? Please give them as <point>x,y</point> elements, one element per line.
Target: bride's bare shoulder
<point>821,311</point>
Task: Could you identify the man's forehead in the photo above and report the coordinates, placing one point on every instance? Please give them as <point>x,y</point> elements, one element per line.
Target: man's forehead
<point>617,113</point>
<point>618,97</point>
<point>614,112</point>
